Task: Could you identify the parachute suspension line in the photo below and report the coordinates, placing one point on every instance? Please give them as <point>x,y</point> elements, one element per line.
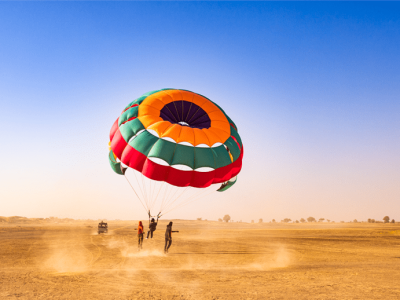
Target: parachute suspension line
<point>161,185</point>
<point>163,198</point>
<point>153,188</point>
<point>188,202</point>
<point>137,181</point>
<point>135,192</point>
<point>193,197</point>
<point>150,199</point>
<point>145,191</point>
<point>170,197</point>
<point>169,205</point>
<point>154,195</point>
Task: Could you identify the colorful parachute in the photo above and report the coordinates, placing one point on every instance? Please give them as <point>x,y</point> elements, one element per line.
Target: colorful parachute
<point>174,138</point>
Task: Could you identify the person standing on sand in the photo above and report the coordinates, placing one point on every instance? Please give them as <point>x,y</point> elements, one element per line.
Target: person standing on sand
<point>140,235</point>
<point>152,228</point>
<point>168,237</point>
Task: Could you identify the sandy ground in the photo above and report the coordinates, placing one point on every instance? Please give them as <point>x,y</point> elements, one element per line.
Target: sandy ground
<point>207,260</point>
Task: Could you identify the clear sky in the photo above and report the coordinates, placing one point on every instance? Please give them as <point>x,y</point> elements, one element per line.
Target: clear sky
<point>314,88</point>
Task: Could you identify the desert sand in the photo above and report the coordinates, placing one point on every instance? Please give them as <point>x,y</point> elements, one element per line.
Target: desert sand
<point>207,260</point>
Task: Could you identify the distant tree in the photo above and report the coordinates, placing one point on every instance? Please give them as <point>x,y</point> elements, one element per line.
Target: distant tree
<point>219,220</point>
<point>226,218</point>
<point>372,220</point>
<point>393,221</point>
<point>341,221</point>
<point>297,221</point>
<point>321,219</point>
<point>302,220</point>
<point>386,219</point>
<point>252,221</point>
<point>369,220</point>
<point>286,220</point>
<point>311,219</point>
<point>198,219</point>
<point>260,220</point>
<point>355,221</point>
<point>273,221</point>
<point>328,220</point>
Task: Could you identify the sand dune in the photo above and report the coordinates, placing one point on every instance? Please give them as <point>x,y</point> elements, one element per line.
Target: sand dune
<point>207,260</point>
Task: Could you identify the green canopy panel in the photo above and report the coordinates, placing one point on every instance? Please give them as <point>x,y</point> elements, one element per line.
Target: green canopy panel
<point>116,166</point>
<point>226,185</point>
<point>128,114</point>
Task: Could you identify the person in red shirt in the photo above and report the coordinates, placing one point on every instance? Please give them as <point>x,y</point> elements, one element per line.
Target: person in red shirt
<point>140,235</point>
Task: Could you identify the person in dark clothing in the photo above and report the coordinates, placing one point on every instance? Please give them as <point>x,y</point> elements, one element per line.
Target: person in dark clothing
<point>152,228</point>
<point>168,237</point>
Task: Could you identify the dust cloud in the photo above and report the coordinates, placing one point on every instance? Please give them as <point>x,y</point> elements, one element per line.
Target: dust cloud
<point>67,255</point>
<point>280,258</point>
<point>65,260</point>
<point>128,250</point>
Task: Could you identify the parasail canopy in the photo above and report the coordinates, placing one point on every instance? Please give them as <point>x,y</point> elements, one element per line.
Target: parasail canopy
<point>177,138</point>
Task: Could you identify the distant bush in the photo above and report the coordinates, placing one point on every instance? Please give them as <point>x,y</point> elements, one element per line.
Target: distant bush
<point>328,220</point>
<point>273,221</point>
<point>302,220</point>
<point>386,219</point>
<point>393,221</point>
<point>311,219</point>
<point>219,220</point>
<point>286,220</point>
<point>355,221</point>
<point>321,219</point>
<point>260,220</point>
<point>226,218</point>
<point>198,219</point>
<point>297,221</point>
<point>252,221</point>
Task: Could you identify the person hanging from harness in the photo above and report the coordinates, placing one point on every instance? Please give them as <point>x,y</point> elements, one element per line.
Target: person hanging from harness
<point>152,225</point>
<point>168,237</point>
<point>140,235</point>
<point>152,228</point>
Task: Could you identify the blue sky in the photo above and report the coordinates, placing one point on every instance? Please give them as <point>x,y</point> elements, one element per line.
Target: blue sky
<point>313,87</point>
